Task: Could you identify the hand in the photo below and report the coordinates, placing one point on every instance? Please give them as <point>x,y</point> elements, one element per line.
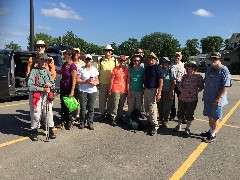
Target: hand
<point>109,92</point>
<point>71,94</point>
<point>47,90</point>
<point>158,97</point>
<point>216,101</point>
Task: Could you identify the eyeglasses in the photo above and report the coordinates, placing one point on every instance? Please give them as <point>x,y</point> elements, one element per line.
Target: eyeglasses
<point>136,61</point>
<point>107,50</point>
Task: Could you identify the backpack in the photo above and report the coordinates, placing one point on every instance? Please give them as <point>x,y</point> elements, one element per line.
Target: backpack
<point>134,122</point>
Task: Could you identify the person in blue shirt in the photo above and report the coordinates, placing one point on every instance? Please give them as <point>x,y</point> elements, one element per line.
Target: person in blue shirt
<point>217,81</point>
<point>153,82</point>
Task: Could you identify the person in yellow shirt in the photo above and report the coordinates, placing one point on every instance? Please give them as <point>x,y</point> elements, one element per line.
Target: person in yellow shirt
<point>40,46</point>
<point>105,67</point>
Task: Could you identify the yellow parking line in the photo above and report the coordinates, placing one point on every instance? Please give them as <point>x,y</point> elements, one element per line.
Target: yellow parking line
<point>228,125</point>
<point>13,141</point>
<point>192,158</point>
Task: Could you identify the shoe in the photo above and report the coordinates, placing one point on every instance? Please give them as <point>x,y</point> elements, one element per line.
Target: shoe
<point>77,119</point>
<point>205,134</point>
<point>90,126</point>
<point>187,131</point>
<point>177,128</point>
<point>81,125</point>
<point>34,135</point>
<point>114,123</point>
<point>68,125</point>
<point>184,121</point>
<point>210,139</point>
<point>165,125</point>
<point>51,133</point>
<point>171,119</point>
<point>102,117</point>
<point>153,131</point>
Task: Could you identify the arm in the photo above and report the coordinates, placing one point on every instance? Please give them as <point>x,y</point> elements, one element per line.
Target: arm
<point>111,83</point>
<point>128,84</point>
<point>29,66</point>
<point>200,83</point>
<point>220,95</point>
<point>74,77</point>
<point>159,93</point>
<point>52,68</point>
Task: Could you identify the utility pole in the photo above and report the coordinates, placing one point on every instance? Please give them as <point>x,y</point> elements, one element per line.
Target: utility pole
<point>31,26</point>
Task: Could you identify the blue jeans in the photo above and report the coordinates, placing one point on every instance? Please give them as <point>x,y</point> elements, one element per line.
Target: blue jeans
<point>87,102</point>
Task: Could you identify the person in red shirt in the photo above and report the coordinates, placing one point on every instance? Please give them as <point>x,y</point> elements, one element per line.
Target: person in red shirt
<point>118,90</point>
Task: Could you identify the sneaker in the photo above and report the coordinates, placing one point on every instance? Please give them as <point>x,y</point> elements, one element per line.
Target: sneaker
<point>114,123</point>
<point>177,128</point>
<point>34,135</point>
<point>81,126</point>
<point>210,139</point>
<point>90,126</point>
<point>205,134</point>
<point>187,131</point>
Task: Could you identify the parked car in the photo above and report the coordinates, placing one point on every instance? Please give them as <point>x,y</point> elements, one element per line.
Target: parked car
<point>13,66</point>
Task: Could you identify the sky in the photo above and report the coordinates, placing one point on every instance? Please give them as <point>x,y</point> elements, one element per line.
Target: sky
<point>102,22</point>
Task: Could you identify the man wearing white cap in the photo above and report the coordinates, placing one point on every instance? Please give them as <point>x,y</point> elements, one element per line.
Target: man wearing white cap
<point>105,68</point>
<point>40,46</point>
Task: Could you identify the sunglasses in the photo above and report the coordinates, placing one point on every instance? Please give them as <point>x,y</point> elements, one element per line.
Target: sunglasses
<point>88,59</point>
<point>140,52</point>
<point>107,50</point>
<point>136,61</point>
<point>122,61</point>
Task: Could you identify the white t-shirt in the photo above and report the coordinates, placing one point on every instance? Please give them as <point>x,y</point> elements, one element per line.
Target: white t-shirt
<point>85,74</point>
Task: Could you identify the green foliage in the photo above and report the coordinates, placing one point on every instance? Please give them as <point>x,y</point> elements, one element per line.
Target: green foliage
<point>13,46</point>
<point>161,44</point>
<point>211,43</point>
<point>234,68</point>
<point>128,47</point>
<point>185,54</point>
<point>192,46</point>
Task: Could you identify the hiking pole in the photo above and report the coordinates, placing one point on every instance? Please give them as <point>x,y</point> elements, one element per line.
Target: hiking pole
<point>46,120</point>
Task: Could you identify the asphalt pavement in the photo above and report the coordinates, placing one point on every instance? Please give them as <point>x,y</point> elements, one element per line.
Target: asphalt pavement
<point>116,152</point>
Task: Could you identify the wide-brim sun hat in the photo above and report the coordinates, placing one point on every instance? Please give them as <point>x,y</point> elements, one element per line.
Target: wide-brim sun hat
<point>88,57</point>
<point>108,47</point>
<point>153,55</point>
<point>40,43</point>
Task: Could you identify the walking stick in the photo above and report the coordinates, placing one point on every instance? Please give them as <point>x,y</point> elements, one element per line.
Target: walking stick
<point>46,120</point>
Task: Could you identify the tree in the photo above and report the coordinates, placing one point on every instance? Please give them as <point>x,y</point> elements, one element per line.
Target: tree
<point>192,45</point>
<point>13,46</point>
<point>211,43</point>
<point>128,47</point>
<point>185,54</point>
<point>161,44</point>
<point>226,43</point>
<point>48,39</point>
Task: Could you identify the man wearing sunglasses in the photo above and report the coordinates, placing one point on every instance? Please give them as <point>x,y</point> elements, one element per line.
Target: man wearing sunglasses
<point>105,67</point>
<point>40,47</point>
<point>217,82</point>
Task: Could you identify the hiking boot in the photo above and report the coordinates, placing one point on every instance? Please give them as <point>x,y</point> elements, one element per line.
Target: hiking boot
<point>81,125</point>
<point>177,128</point>
<point>210,138</point>
<point>68,125</point>
<point>205,134</point>
<point>90,126</point>
<point>187,131</point>
<point>34,135</point>
<point>51,133</point>
<point>153,131</point>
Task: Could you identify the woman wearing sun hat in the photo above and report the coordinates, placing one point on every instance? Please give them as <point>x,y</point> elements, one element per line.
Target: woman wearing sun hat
<point>40,83</point>
<point>190,85</point>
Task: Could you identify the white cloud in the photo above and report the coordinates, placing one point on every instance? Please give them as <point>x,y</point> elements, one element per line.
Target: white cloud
<point>203,12</point>
<point>43,28</point>
<point>63,12</point>
<point>3,10</point>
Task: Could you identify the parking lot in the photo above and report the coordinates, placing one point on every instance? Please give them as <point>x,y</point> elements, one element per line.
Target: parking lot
<point>117,153</point>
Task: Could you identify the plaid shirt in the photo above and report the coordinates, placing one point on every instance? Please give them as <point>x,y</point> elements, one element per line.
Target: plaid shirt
<point>190,86</point>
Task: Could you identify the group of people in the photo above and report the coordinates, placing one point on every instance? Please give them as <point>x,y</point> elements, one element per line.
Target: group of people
<point>149,84</point>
